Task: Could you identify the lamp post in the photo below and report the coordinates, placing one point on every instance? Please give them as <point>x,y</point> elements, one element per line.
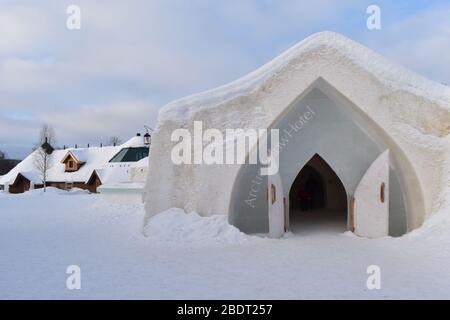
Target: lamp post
<point>147,139</point>
<point>147,136</point>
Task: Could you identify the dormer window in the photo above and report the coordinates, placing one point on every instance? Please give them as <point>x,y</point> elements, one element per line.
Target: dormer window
<point>72,162</point>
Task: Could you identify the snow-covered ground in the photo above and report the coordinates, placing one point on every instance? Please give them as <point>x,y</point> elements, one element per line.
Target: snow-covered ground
<point>188,257</point>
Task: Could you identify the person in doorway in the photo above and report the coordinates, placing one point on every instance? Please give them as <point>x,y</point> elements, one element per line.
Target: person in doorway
<point>312,187</point>
<point>305,200</point>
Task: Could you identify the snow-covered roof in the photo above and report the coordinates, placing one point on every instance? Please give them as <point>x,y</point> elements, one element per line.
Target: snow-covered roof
<point>113,174</point>
<point>94,158</point>
<point>78,154</point>
<point>24,167</point>
<point>31,176</point>
<point>135,142</point>
<point>390,74</point>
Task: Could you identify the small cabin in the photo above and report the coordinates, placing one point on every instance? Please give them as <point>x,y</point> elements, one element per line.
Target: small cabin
<point>20,184</point>
<point>23,182</point>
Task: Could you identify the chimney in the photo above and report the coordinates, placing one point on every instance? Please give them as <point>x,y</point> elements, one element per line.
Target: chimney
<point>64,147</point>
<point>101,145</point>
<point>47,147</point>
<point>138,134</point>
<point>88,145</point>
<point>114,144</point>
<point>76,146</point>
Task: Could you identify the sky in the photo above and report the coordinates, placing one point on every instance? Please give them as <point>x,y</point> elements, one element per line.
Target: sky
<point>130,58</point>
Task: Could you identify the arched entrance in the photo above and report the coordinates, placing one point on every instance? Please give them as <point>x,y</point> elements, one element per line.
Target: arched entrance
<point>317,199</point>
<point>322,122</point>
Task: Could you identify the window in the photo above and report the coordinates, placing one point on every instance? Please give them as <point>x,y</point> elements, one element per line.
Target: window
<point>131,155</point>
<point>274,194</point>
<point>68,185</point>
<point>382,191</point>
<point>71,164</point>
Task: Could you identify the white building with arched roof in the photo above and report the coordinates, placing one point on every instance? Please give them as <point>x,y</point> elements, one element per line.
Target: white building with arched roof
<point>360,137</point>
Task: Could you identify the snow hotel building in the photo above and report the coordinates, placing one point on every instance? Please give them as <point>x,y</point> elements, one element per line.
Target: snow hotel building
<point>363,141</point>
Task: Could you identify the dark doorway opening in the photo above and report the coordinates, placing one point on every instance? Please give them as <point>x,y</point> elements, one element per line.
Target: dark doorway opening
<point>317,199</point>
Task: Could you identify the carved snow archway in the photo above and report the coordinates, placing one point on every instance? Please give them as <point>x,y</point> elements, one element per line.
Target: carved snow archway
<point>322,121</point>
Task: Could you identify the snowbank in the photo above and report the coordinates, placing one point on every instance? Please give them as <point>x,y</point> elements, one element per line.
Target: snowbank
<point>50,191</point>
<point>178,227</point>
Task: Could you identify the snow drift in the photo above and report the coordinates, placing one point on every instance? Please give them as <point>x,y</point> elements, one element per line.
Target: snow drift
<point>178,227</point>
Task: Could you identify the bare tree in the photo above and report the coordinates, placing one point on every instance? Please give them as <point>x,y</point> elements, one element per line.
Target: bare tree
<point>43,151</point>
<point>115,141</point>
<point>43,163</point>
<point>47,133</point>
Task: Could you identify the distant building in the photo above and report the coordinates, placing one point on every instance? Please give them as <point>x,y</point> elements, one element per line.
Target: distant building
<point>116,168</point>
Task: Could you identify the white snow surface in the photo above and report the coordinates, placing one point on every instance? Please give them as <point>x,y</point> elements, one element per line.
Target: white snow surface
<point>177,226</point>
<point>188,257</point>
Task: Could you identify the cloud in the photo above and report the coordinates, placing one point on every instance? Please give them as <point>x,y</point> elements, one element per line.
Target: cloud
<point>23,29</point>
<point>420,42</point>
<point>92,124</point>
<point>96,123</point>
<point>130,58</point>
<point>15,135</point>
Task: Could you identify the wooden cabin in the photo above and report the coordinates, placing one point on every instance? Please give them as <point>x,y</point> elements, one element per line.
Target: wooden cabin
<point>20,185</point>
<point>83,168</point>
